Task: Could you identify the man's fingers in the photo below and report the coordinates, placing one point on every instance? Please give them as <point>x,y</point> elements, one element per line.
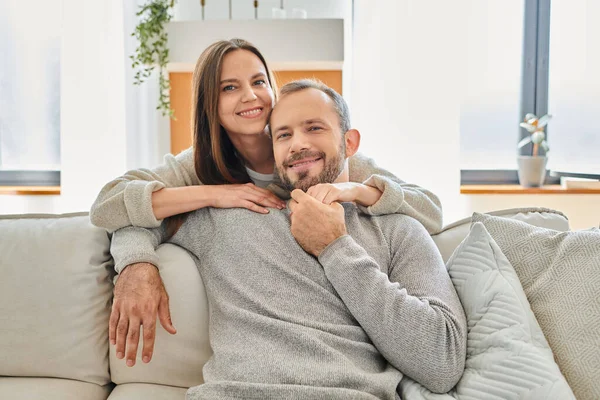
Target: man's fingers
<point>164,315</point>
<point>149,328</point>
<point>112,325</point>
<point>299,195</point>
<point>122,328</point>
<point>292,205</point>
<point>133,340</point>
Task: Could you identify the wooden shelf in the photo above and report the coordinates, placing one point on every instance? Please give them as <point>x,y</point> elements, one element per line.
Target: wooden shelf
<point>518,189</point>
<point>30,190</point>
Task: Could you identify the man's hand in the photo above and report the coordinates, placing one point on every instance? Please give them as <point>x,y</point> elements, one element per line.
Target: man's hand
<point>139,295</point>
<point>328,193</point>
<point>314,224</point>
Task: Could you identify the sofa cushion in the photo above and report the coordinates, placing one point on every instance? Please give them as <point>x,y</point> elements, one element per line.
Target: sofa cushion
<point>147,391</point>
<point>55,296</point>
<point>178,359</point>
<point>449,238</point>
<point>560,274</point>
<point>507,354</point>
<point>51,389</point>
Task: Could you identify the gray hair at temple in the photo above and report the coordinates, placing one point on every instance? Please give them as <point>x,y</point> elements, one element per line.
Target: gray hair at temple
<point>341,107</point>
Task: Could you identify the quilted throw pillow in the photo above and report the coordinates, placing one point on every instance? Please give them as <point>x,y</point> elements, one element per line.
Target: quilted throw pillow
<point>508,357</point>
<point>560,274</point>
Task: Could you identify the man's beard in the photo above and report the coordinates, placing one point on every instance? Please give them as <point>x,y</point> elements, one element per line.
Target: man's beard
<point>332,169</point>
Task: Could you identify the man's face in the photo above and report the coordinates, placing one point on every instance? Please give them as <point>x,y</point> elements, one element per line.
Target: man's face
<point>308,143</point>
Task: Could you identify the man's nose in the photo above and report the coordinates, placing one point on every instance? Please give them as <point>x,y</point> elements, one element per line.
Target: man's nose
<point>248,94</point>
<point>299,143</point>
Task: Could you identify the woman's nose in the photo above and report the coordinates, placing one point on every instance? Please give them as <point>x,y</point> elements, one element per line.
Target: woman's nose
<point>249,95</point>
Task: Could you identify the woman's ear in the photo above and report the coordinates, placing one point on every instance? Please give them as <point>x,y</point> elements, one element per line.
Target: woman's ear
<point>352,138</point>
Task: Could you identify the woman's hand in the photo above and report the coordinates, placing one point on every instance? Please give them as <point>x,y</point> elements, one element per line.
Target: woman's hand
<point>246,195</point>
<point>327,193</point>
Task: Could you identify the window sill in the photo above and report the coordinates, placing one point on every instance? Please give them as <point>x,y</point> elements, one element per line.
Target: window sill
<point>518,189</point>
<point>30,190</point>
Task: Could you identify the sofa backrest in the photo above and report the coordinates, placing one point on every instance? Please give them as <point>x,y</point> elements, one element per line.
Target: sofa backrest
<point>451,236</point>
<point>55,293</point>
<point>56,290</point>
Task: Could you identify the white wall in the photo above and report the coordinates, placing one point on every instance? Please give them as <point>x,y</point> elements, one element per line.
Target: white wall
<point>405,100</point>
<point>406,90</point>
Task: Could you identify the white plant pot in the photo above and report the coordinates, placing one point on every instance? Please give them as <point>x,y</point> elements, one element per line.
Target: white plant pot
<point>532,170</point>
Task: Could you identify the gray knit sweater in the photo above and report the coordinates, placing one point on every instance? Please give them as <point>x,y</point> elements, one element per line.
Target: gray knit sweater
<point>127,200</point>
<point>377,304</point>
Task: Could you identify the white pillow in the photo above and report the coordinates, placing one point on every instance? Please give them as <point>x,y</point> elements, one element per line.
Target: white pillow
<point>507,355</point>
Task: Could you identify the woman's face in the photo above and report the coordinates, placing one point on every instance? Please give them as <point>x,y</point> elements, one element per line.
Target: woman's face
<point>245,96</point>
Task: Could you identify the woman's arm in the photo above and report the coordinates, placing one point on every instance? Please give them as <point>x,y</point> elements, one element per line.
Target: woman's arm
<point>398,197</point>
<point>144,197</point>
<point>128,199</point>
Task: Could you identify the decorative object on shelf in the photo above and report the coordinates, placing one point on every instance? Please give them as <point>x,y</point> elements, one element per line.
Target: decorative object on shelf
<point>203,3</point>
<point>278,13</point>
<point>532,169</point>
<point>299,13</point>
<point>152,51</point>
<point>255,9</point>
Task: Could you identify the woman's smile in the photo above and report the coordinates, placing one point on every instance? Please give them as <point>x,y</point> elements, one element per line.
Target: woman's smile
<point>251,112</point>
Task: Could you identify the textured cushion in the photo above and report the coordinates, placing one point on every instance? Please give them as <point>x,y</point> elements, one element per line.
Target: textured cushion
<point>146,391</point>
<point>55,295</point>
<point>560,274</point>
<point>51,389</point>
<point>178,359</point>
<point>508,357</point>
<point>450,237</point>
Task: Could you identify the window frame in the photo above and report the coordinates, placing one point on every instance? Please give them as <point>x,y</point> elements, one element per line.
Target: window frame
<point>29,178</point>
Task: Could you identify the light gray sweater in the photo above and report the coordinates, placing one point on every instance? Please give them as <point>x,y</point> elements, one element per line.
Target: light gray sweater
<point>377,304</point>
<point>127,200</point>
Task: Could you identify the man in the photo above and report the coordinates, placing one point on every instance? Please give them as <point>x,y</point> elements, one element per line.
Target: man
<point>338,309</point>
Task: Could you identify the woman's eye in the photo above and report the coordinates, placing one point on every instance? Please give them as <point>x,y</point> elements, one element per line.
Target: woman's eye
<point>260,82</point>
<point>228,88</point>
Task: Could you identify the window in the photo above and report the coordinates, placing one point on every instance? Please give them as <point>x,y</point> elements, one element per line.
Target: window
<point>30,36</point>
<point>530,56</point>
<point>574,86</point>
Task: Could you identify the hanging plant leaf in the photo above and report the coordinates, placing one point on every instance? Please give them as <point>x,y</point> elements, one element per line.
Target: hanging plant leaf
<point>152,51</point>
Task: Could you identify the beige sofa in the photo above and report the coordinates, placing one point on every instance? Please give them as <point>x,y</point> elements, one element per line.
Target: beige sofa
<point>55,298</point>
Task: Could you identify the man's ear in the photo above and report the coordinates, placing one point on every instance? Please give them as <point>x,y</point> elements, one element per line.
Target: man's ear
<point>352,138</point>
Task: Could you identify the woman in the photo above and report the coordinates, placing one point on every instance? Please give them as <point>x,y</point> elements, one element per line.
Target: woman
<point>230,164</point>
<point>231,161</point>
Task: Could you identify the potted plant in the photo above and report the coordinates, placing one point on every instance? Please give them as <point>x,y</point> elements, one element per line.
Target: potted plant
<point>152,51</point>
<point>532,169</point>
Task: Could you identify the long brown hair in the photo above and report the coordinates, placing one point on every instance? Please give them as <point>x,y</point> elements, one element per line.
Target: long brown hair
<point>215,158</point>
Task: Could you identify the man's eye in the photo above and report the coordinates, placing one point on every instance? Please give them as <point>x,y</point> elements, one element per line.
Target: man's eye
<point>283,136</point>
<point>314,128</point>
<point>228,88</point>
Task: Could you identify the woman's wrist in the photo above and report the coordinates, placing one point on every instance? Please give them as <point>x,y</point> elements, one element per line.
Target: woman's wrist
<point>366,196</point>
<point>172,201</point>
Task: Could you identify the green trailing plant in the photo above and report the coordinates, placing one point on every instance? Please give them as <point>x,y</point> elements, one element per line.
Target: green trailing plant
<point>152,51</point>
<point>535,126</point>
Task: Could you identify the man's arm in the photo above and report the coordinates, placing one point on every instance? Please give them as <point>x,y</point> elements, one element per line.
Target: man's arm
<point>139,294</point>
<point>414,316</point>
